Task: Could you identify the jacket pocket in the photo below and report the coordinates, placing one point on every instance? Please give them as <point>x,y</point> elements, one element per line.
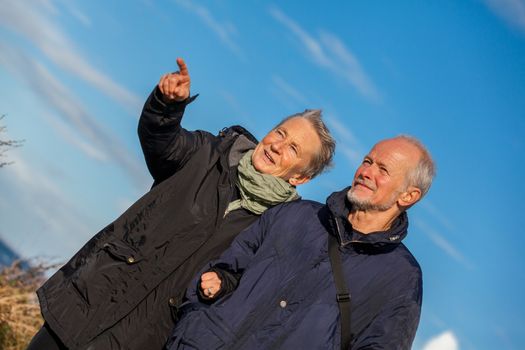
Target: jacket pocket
<point>122,251</point>
<point>107,273</point>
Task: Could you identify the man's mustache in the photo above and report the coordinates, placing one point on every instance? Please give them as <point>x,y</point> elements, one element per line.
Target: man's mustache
<point>365,182</point>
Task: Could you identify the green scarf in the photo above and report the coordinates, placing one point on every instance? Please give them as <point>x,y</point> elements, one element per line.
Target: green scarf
<point>259,191</point>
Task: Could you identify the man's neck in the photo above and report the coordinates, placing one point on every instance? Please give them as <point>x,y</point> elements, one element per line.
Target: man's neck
<point>373,221</point>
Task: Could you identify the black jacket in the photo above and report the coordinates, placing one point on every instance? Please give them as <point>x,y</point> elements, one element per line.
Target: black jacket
<point>117,291</point>
<point>286,297</point>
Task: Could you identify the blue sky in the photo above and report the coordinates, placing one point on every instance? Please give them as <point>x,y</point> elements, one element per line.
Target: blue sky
<point>74,75</point>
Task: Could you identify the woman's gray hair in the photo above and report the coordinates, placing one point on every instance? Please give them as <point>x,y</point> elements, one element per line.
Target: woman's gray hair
<point>322,161</point>
<point>423,173</point>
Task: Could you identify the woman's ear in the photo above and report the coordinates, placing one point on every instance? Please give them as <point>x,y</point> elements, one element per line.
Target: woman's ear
<point>298,180</point>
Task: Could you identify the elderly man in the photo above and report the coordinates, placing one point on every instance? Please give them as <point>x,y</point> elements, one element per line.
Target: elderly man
<point>122,289</point>
<point>308,276</point>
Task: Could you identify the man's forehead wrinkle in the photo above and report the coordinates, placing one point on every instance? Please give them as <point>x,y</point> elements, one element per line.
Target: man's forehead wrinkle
<point>390,156</point>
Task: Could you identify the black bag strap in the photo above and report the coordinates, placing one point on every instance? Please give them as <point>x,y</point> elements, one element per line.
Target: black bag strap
<point>343,297</point>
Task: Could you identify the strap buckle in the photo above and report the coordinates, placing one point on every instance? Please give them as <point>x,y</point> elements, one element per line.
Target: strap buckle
<point>343,298</point>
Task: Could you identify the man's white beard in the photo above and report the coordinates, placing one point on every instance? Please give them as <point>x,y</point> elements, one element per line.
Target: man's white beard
<point>365,205</point>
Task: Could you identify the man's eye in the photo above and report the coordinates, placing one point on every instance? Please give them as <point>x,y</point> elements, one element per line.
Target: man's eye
<point>367,161</point>
<point>294,149</point>
<point>383,170</point>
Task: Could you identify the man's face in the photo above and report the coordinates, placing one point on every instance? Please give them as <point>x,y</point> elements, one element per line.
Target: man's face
<point>287,150</point>
<point>381,178</point>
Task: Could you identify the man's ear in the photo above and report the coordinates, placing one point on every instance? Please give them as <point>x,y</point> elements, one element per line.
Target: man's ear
<point>409,197</point>
<point>298,180</point>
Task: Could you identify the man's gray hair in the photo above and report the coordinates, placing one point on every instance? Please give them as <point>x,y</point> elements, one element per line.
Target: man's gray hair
<point>423,173</point>
<point>323,159</point>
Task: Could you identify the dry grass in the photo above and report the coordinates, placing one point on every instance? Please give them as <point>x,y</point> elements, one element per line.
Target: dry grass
<point>19,311</point>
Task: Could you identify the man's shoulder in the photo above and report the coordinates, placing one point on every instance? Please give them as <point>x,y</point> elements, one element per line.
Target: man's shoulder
<point>297,208</point>
<point>294,220</point>
<point>405,260</point>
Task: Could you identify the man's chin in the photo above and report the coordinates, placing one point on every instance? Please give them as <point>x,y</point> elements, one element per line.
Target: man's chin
<point>354,197</point>
<point>363,205</point>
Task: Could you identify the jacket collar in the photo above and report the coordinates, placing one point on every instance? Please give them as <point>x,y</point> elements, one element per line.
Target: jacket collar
<point>235,142</point>
<point>339,206</point>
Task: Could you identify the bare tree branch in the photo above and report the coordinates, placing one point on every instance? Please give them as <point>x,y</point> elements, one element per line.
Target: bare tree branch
<point>6,145</point>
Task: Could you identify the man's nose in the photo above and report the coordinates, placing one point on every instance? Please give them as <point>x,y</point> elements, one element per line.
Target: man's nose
<point>366,172</point>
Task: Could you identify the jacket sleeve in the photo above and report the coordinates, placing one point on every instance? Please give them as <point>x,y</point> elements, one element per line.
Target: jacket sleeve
<point>165,144</point>
<point>394,328</point>
<point>229,282</point>
<point>236,258</point>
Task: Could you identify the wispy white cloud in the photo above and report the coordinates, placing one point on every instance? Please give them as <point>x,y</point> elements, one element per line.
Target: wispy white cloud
<point>512,11</point>
<point>69,135</point>
<point>224,30</point>
<point>439,239</point>
<point>347,143</point>
<point>312,45</point>
<point>343,131</point>
<point>441,242</point>
<point>54,216</point>
<point>444,341</point>
<point>284,87</point>
<point>240,114</point>
<point>75,12</point>
<point>437,214</point>
<point>329,52</point>
<point>354,157</point>
<point>98,144</point>
<point>233,102</point>
<point>33,21</point>
<point>348,65</point>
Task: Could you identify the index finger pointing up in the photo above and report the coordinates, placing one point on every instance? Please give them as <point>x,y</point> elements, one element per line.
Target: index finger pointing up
<point>183,69</point>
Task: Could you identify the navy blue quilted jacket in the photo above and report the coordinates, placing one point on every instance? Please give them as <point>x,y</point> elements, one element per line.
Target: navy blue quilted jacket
<point>285,297</point>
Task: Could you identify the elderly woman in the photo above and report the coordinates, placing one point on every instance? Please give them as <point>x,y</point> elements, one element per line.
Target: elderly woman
<point>123,288</point>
